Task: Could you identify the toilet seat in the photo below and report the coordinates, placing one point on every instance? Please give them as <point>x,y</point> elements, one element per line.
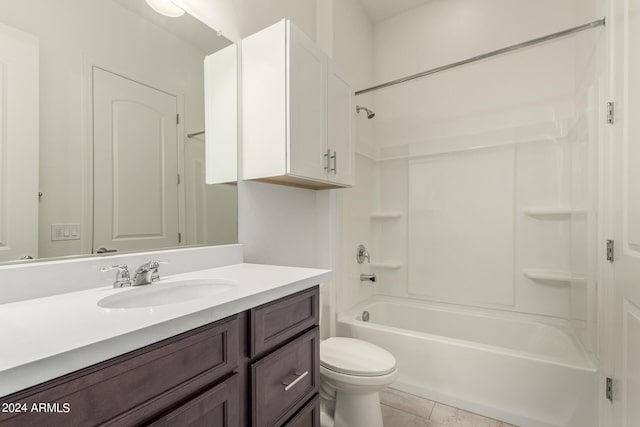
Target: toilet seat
<point>355,357</point>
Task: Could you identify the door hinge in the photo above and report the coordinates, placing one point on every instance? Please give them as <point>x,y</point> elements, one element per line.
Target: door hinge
<point>178,179</point>
<point>609,389</point>
<point>179,237</point>
<point>610,250</point>
<point>610,113</point>
<point>177,119</point>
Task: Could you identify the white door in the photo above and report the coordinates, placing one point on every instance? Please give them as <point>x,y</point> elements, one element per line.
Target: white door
<point>19,134</point>
<point>340,140</point>
<point>307,107</point>
<point>625,319</point>
<point>135,165</point>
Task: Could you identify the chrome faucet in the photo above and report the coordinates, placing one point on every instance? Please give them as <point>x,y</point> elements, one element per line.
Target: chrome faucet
<point>147,273</point>
<point>122,276</point>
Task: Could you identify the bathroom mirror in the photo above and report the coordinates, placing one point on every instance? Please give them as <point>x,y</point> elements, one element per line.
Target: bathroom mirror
<point>102,120</point>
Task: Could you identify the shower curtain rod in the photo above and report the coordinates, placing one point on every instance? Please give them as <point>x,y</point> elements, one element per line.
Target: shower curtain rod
<point>594,24</point>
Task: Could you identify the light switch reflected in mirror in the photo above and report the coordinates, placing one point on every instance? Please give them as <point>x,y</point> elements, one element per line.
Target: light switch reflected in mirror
<point>99,97</point>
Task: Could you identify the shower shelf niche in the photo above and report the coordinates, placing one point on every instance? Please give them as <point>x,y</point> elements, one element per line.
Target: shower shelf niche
<point>551,276</point>
<point>550,212</point>
<point>391,265</point>
<point>381,216</point>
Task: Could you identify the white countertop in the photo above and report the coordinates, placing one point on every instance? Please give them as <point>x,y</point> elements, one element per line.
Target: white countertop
<point>45,338</point>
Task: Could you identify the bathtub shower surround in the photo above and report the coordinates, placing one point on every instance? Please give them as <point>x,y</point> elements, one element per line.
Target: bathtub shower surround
<point>490,219</point>
<point>483,235</point>
<point>524,369</point>
<point>482,244</point>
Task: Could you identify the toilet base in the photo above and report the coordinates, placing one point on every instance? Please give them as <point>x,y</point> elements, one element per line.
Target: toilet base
<point>357,410</point>
<point>326,420</point>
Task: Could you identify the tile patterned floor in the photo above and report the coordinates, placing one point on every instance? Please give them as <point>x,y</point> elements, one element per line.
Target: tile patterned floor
<point>401,409</point>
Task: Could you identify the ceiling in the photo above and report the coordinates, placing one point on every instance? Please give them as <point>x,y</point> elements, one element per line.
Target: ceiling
<point>380,10</point>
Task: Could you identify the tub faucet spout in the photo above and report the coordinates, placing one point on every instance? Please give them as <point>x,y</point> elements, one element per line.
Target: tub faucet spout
<point>368,278</point>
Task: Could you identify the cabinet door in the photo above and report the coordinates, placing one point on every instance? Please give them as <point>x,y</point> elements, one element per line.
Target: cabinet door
<point>340,141</point>
<point>276,322</point>
<point>307,108</point>
<point>284,380</point>
<point>308,416</point>
<point>216,407</point>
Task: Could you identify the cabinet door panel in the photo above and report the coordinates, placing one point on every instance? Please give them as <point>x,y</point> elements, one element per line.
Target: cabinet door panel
<point>216,407</point>
<point>307,141</point>
<point>274,323</point>
<point>308,416</point>
<point>340,141</point>
<point>284,380</point>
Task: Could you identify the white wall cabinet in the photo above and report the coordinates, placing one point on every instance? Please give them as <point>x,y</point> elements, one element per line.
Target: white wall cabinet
<point>297,112</point>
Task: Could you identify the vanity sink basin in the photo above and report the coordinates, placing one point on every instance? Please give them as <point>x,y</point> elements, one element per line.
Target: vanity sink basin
<point>159,294</point>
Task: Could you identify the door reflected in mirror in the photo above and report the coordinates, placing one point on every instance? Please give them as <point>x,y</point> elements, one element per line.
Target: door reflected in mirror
<point>102,130</point>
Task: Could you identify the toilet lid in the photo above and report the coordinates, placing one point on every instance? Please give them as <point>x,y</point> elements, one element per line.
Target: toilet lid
<point>355,357</point>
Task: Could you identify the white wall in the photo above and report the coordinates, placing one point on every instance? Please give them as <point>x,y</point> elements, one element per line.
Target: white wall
<point>277,224</point>
<point>353,52</point>
<point>519,88</point>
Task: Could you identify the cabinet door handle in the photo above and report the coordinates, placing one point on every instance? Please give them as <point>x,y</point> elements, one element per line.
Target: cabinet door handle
<point>335,163</point>
<point>288,383</point>
<point>327,157</point>
<point>105,251</point>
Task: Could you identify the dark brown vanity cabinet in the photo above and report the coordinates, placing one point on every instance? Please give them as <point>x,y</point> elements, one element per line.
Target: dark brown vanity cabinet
<point>259,368</point>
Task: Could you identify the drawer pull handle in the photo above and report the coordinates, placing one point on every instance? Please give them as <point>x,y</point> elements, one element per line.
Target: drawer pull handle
<point>298,376</point>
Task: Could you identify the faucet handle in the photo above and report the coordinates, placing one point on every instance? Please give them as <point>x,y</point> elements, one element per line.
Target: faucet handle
<point>151,265</point>
<point>122,276</point>
<point>362,254</point>
<point>147,273</point>
<point>154,265</point>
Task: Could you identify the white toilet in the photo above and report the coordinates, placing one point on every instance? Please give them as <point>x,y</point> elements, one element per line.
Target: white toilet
<point>352,372</point>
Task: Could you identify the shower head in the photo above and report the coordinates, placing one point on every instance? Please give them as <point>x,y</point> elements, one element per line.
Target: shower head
<point>370,114</point>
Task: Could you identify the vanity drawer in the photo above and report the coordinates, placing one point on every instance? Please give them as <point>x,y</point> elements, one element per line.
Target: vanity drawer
<point>308,416</point>
<point>216,407</point>
<point>140,380</point>
<point>276,322</point>
<point>284,380</point>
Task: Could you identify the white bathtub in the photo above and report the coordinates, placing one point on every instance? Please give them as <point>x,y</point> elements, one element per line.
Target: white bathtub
<point>524,369</point>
